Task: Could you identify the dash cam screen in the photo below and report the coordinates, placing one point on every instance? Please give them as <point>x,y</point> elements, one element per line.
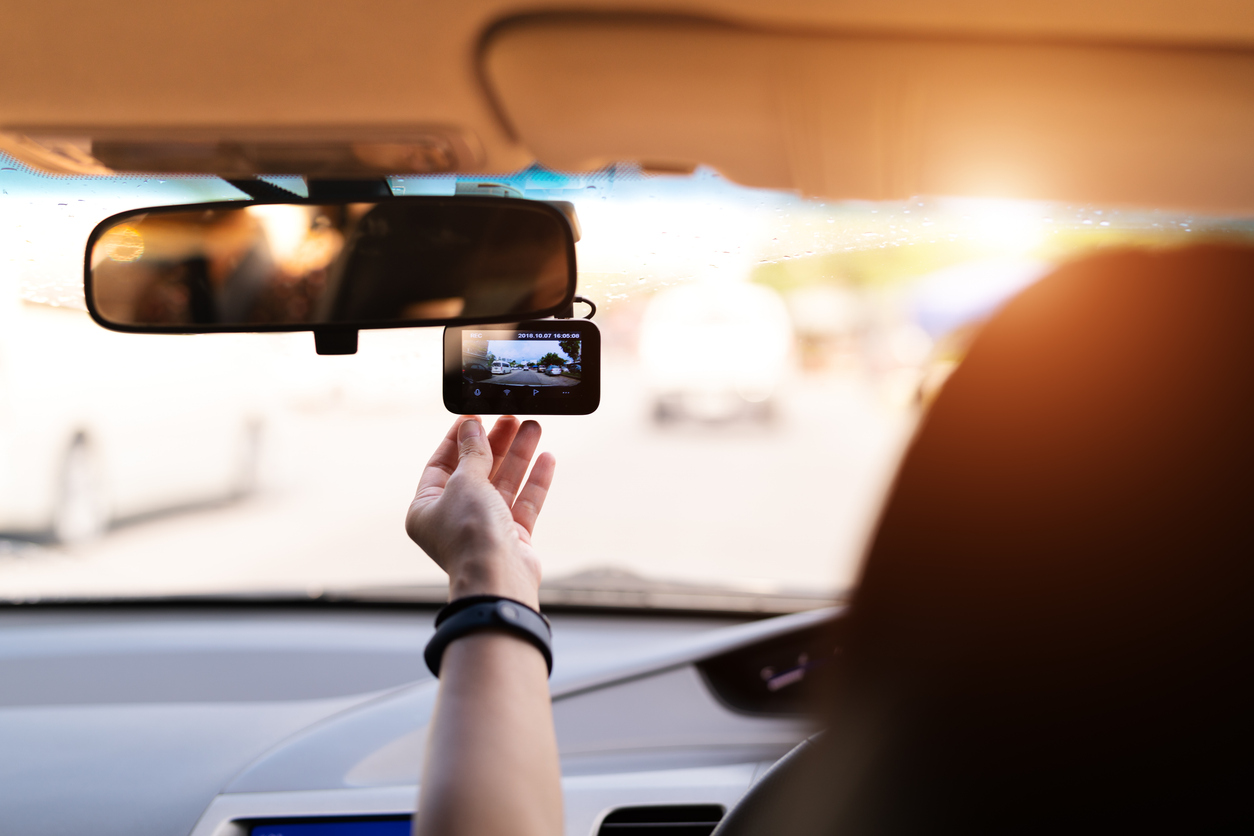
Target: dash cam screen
<point>549,367</point>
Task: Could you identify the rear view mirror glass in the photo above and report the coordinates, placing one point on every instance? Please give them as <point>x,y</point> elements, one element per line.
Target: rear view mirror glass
<point>298,266</point>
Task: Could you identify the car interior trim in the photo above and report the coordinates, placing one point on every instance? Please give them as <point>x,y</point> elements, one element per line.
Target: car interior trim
<point>883,116</point>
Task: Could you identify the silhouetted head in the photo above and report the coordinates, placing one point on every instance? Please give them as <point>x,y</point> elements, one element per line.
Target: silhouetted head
<point>1053,628</point>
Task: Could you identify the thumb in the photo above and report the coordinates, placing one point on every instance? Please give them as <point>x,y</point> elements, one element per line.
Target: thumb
<point>474,454</point>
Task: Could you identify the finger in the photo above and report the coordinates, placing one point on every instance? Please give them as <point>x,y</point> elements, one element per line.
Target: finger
<point>514,466</point>
<point>500,438</point>
<point>531,498</point>
<point>442,462</point>
<point>474,455</point>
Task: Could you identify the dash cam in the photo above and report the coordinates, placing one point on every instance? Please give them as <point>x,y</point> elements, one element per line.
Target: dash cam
<point>545,367</point>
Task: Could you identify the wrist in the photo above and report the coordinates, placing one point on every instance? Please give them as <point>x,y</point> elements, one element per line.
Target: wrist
<point>506,581</point>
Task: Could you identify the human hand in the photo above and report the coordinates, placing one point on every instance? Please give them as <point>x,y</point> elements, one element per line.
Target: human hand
<point>470,516</point>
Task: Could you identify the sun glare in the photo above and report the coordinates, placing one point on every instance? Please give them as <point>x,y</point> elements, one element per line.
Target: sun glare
<point>1009,227</point>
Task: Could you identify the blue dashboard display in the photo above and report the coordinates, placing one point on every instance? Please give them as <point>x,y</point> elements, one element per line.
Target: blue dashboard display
<point>369,827</point>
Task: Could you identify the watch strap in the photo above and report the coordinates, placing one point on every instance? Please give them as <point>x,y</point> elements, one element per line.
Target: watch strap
<point>488,612</point>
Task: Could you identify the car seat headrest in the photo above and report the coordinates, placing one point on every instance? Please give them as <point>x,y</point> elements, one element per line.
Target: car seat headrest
<point>1055,613</point>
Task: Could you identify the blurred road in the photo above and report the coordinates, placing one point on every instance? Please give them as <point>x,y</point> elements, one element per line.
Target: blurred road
<point>786,504</point>
<point>532,378</point>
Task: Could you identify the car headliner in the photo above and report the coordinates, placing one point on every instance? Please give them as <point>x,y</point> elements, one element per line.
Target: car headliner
<point>1148,103</point>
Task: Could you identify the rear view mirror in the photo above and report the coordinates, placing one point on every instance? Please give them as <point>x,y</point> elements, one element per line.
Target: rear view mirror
<point>330,268</point>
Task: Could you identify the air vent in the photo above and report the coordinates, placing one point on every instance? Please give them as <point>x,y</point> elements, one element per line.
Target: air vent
<point>677,820</point>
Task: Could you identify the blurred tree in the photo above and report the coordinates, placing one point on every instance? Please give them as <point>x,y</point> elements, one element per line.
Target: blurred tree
<point>571,347</point>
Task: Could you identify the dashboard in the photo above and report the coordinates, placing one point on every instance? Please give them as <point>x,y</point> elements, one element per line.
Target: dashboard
<point>269,720</point>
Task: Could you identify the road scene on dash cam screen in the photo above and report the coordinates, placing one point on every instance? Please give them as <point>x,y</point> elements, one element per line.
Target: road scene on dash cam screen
<point>513,362</point>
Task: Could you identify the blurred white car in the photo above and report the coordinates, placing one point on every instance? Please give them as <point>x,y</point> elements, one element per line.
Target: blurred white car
<point>715,350</point>
<point>499,368</point>
<point>97,426</point>
<point>554,370</point>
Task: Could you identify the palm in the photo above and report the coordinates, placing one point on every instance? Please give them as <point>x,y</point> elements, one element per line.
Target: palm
<point>461,512</point>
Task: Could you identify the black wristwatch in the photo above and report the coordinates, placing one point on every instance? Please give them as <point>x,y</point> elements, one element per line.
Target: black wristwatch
<point>488,612</point>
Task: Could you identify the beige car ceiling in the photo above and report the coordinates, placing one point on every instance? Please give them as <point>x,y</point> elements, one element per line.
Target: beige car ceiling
<point>1123,101</point>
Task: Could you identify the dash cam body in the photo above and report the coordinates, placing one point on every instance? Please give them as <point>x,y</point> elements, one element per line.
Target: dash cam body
<point>544,367</point>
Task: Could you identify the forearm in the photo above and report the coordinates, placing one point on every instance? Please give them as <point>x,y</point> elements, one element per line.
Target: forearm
<point>491,765</point>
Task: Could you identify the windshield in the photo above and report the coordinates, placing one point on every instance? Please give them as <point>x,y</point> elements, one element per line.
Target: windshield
<point>766,358</point>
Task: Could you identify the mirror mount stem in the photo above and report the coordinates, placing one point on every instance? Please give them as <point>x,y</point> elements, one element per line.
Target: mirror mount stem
<point>366,190</point>
<point>259,189</point>
<point>335,340</point>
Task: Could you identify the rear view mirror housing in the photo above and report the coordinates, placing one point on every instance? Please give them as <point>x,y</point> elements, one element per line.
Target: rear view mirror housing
<point>331,266</point>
